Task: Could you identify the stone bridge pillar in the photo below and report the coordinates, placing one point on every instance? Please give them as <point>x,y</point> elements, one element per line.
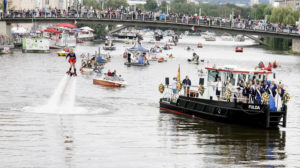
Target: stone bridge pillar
<point>5,29</point>
<point>296,45</point>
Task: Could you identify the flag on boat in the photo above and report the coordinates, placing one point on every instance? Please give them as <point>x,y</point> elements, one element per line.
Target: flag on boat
<point>178,74</point>
<point>5,6</point>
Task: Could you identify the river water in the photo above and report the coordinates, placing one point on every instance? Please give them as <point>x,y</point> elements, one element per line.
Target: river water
<point>50,120</point>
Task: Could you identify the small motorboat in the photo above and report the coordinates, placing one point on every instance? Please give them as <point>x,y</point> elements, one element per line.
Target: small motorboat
<point>109,45</point>
<point>87,64</point>
<point>199,45</point>
<point>154,58</point>
<point>109,48</point>
<point>79,41</point>
<point>111,81</point>
<point>237,49</point>
<point>161,59</point>
<point>64,52</point>
<point>54,47</point>
<point>210,38</point>
<point>136,64</point>
<point>6,50</point>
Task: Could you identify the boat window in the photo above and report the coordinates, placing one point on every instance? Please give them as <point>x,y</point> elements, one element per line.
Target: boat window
<point>212,75</point>
<point>231,78</point>
<point>264,77</point>
<point>242,77</point>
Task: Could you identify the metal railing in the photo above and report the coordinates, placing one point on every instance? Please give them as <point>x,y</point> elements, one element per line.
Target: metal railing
<point>146,17</point>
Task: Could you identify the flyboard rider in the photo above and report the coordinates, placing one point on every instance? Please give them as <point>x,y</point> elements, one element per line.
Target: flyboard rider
<point>72,61</point>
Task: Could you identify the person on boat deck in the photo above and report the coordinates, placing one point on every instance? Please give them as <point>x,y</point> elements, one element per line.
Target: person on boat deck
<point>72,60</point>
<point>109,73</point>
<point>195,57</point>
<point>186,86</point>
<point>251,92</point>
<point>281,90</point>
<point>238,94</point>
<point>258,94</point>
<point>106,43</point>
<point>114,74</point>
<point>129,57</point>
<point>218,88</point>
<point>246,91</point>
<point>174,85</point>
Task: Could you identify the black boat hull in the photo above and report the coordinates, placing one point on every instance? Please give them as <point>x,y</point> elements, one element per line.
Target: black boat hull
<point>228,112</point>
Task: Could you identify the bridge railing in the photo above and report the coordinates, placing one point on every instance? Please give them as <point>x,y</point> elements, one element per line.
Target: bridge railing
<point>153,18</point>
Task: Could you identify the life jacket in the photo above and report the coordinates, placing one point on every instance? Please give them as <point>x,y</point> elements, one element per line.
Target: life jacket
<point>269,68</point>
<point>274,64</point>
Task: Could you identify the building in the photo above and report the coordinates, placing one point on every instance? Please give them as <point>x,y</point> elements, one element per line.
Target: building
<point>39,4</point>
<point>295,4</point>
<point>193,1</point>
<point>136,2</point>
<point>254,2</point>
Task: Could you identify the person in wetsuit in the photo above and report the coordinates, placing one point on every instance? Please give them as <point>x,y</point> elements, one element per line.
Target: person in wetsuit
<point>72,61</point>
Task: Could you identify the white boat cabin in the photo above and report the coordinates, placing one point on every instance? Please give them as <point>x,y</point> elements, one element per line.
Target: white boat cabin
<point>208,78</point>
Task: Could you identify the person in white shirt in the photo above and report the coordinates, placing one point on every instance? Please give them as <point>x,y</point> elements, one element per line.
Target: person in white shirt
<point>174,85</point>
<point>218,88</point>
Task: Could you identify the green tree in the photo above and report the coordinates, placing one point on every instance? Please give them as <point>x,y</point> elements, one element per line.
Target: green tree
<point>163,6</point>
<point>96,4</point>
<point>9,4</point>
<point>260,11</point>
<point>151,5</point>
<point>284,15</point>
<point>116,3</point>
<point>140,6</point>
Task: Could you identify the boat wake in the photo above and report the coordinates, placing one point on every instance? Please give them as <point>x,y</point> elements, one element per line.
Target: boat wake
<point>62,101</point>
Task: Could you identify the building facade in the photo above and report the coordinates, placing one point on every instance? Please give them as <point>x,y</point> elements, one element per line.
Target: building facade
<point>295,4</point>
<point>39,4</point>
<point>254,2</point>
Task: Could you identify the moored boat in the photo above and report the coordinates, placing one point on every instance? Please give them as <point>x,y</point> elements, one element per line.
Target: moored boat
<point>210,38</point>
<point>226,37</point>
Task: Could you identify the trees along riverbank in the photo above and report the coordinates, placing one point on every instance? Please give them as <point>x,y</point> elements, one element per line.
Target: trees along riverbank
<point>284,17</point>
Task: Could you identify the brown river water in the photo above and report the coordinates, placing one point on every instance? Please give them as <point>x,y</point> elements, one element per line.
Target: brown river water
<point>93,126</point>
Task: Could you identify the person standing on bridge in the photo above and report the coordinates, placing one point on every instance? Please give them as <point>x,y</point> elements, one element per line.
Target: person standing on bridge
<point>72,61</point>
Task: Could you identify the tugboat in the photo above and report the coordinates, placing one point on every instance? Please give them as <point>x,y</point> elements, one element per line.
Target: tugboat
<point>230,108</point>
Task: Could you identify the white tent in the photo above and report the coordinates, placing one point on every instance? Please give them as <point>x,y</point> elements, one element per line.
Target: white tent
<point>86,28</point>
<point>18,30</point>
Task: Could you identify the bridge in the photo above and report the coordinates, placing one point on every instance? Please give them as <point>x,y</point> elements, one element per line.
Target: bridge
<point>152,22</point>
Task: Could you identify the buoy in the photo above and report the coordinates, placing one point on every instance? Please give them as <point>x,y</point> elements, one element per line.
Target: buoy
<point>161,88</point>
